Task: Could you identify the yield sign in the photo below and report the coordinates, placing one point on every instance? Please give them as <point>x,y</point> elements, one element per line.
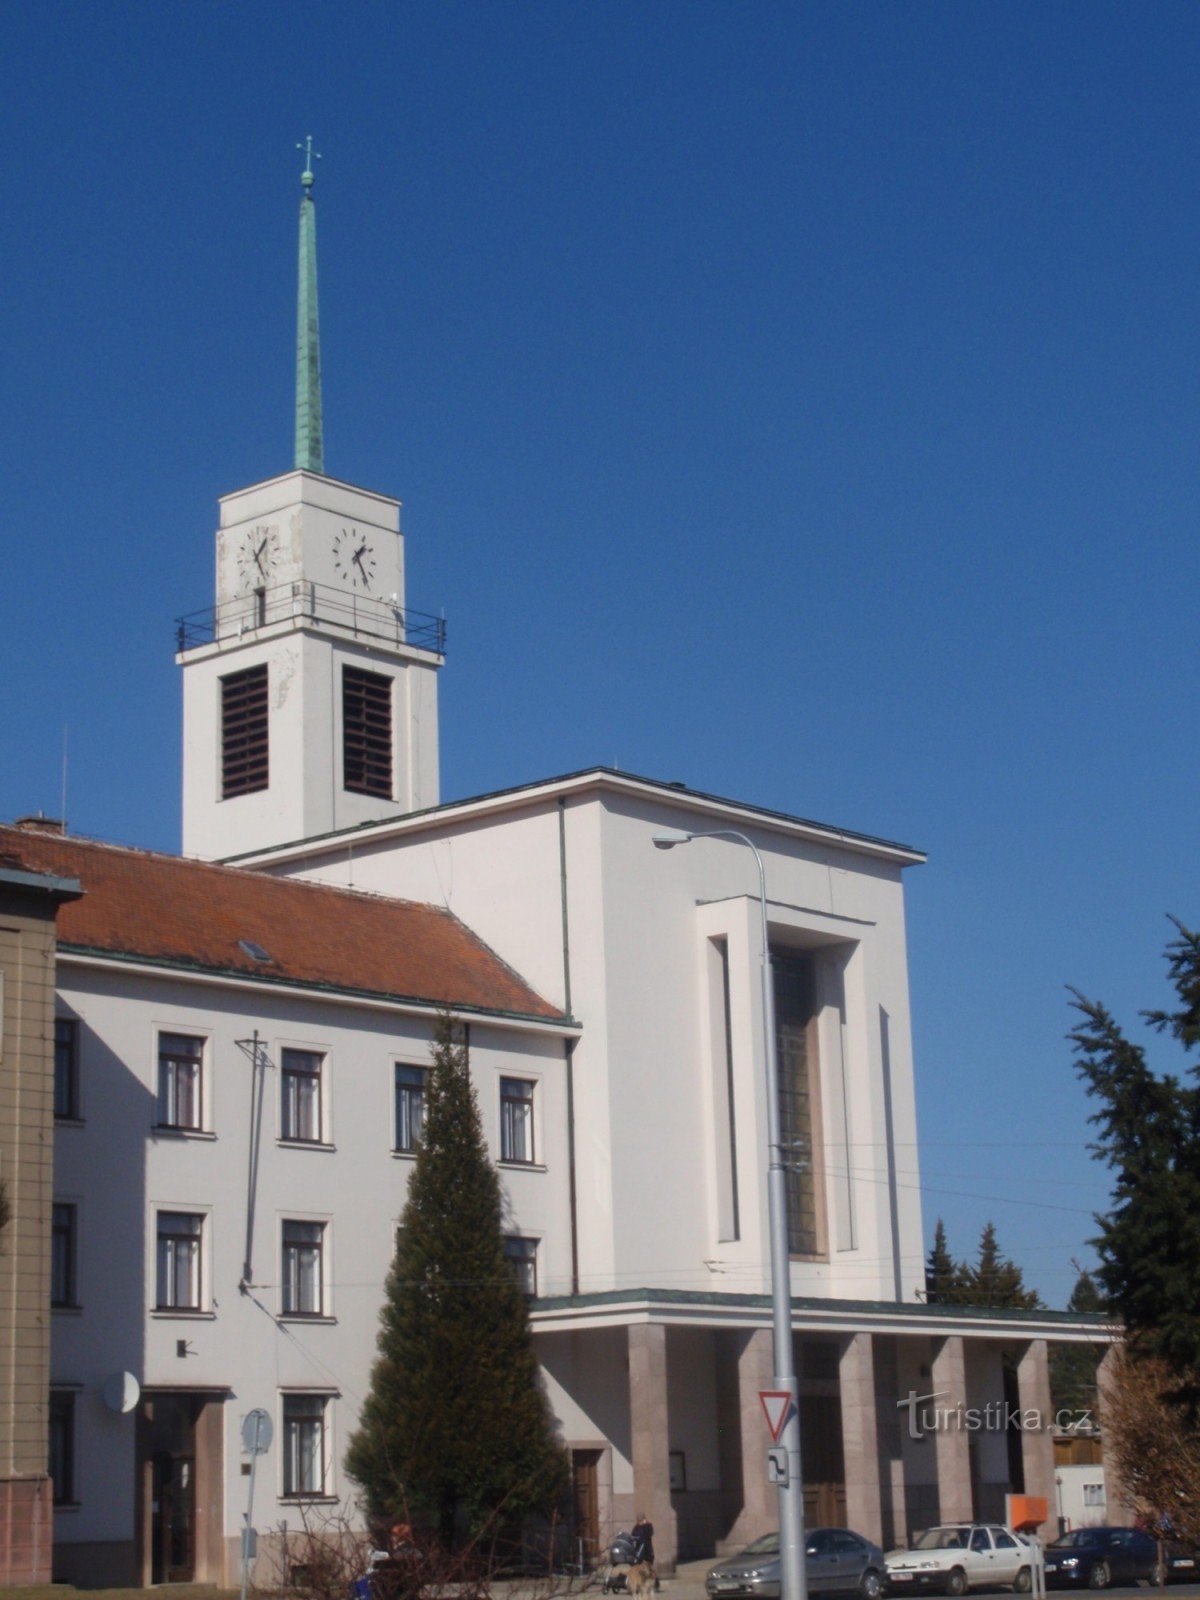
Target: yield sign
<point>777,1407</point>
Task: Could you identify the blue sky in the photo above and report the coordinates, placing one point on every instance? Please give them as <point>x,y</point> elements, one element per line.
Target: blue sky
<point>800,401</point>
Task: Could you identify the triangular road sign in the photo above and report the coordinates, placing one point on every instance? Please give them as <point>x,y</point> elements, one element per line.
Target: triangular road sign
<point>777,1406</point>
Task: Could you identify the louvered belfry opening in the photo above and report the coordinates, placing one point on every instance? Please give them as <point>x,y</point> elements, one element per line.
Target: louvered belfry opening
<point>367,732</point>
<point>244,745</point>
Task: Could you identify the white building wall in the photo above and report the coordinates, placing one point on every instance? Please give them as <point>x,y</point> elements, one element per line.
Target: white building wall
<point>640,921</point>
<point>120,1169</point>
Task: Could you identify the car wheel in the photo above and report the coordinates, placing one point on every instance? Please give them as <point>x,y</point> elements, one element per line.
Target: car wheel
<point>956,1583</point>
<point>870,1585</point>
<point>1023,1581</point>
<point>1099,1577</point>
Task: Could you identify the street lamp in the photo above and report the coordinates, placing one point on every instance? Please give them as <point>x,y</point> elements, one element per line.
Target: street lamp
<point>791,1488</point>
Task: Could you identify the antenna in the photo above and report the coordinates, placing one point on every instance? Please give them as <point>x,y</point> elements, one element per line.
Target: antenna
<point>63,809</point>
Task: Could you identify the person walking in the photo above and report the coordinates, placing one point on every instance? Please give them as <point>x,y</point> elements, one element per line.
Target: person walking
<point>643,1543</point>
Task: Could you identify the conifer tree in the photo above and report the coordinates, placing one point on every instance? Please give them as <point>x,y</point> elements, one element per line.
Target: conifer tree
<point>1149,1134</point>
<point>1073,1366</point>
<point>995,1281</point>
<point>943,1275</point>
<point>455,1432</point>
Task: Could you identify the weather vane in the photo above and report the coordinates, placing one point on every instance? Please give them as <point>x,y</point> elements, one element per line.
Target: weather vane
<point>306,177</point>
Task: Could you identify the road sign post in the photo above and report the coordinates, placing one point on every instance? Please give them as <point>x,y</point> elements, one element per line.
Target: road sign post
<point>257,1430</point>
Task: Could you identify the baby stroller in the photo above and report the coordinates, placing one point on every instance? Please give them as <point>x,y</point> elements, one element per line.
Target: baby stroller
<point>620,1559</point>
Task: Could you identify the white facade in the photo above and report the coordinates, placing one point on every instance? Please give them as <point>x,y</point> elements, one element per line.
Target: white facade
<point>120,1170</point>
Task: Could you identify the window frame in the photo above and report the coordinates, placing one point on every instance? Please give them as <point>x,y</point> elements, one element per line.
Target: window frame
<point>363,695</point>
<point>66,1067</point>
<point>64,1255</point>
<point>518,1114</point>
<point>171,1061</point>
<point>61,1423</point>
<point>521,1252</point>
<point>410,1094</point>
<point>291,1282</point>
<point>245,731</point>
<point>292,1073</point>
<point>194,1269</point>
<point>291,1462</point>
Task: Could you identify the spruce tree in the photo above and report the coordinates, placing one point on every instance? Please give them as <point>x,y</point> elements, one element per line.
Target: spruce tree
<point>1149,1134</point>
<point>943,1275</point>
<point>455,1433</point>
<point>995,1281</point>
<point>1073,1366</point>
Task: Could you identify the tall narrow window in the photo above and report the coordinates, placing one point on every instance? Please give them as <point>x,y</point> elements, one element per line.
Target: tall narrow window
<point>304,1444</point>
<point>300,1115</point>
<point>179,1237</point>
<point>180,1068</point>
<point>795,1016</point>
<point>66,1067</point>
<point>61,1458</point>
<point>244,745</point>
<point>366,732</point>
<point>62,1254</point>
<point>516,1120</point>
<point>410,1106</point>
<point>303,1248</point>
<point>522,1256</point>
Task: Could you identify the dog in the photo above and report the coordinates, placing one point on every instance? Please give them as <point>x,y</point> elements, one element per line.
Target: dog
<point>642,1580</point>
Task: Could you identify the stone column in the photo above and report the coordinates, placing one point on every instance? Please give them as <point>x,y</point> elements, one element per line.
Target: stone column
<point>948,1380</point>
<point>651,1440</point>
<point>1037,1442</point>
<point>758,1501</point>
<point>1118,1511</point>
<point>860,1436</point>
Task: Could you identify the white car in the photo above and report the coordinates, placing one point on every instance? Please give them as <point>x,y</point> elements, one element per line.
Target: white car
<point>959,1556</point>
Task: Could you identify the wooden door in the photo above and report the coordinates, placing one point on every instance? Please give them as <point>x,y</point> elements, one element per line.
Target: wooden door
<point>585,1505</point>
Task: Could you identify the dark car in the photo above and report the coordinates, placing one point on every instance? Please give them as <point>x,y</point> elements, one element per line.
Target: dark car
<point>836,1561</point>
<point>1096,1557</point>
<point>1181,1562</point>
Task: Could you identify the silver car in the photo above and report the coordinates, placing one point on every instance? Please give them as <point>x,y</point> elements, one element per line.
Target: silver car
<point>837,1562</point>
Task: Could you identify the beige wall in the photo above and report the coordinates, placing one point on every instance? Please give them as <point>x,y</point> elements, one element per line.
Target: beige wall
<point>27,1169</point>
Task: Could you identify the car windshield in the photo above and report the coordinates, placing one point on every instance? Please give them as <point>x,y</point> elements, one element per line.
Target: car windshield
<point>942,1539</point>
<point>1077,1537</point>
<point>768,1545</point>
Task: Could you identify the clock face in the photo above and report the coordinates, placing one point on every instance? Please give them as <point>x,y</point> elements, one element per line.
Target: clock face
<point>354,559</point>
<point>258,555</point>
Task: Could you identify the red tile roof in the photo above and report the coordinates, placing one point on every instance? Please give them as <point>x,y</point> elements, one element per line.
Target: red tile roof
<point>191,914</point>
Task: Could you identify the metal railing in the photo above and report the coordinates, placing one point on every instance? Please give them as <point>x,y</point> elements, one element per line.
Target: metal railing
<point>317,603</point>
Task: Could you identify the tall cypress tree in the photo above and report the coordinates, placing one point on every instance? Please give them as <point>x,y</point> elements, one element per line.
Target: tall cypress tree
<point>455,1431</point>
<point>1149,1134</point>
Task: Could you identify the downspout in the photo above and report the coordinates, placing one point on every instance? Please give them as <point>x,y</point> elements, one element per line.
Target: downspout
<point>568,1044</point>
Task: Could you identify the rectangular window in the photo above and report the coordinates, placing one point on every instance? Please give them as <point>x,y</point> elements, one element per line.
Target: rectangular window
<point>516,1119</point>
<point>61,1459</point>
<point>366,732</point>
<point>244,747</point>
<point>179,1238</point>
<point>522,1253</point>
<point>300,1115</point>
<point>410,1106</point>
<point>62,1254</point>
<point>1093,1494</point>
<point>795,1018</point>
<point>180,1068</point>
<point>66,1067</point>
<point>303,1248</point>
<point>304,1444</point>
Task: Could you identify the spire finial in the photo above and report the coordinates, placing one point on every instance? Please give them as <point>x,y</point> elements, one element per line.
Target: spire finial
<point>308,177</point>
<point>310,445</point>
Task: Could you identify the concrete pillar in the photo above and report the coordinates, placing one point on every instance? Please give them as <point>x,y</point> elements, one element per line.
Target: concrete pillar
<point>948,1380</point>
<point>860,1436</point>
<point>651,1439</point>
<point>1037,1442</point>
<point>1119,1510</point>
<point>758,1509</point>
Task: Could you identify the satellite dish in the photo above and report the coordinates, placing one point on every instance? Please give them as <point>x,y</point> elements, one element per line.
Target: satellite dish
<point>121,1391</point>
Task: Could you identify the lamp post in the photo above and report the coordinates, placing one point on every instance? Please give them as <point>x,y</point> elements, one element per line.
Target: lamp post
<point>791,1488</point>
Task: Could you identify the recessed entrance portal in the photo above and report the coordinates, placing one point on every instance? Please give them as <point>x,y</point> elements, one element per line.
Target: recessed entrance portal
<point>179,1475</point>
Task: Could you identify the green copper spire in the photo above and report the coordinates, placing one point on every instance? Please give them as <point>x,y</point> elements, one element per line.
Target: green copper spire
<point>310,447</point>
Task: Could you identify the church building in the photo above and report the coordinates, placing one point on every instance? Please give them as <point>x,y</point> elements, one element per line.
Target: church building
<point>232,1052</point>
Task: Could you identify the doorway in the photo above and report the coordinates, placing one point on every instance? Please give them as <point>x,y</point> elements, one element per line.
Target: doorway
<point>179,1476</point>
<point>585,1506</point>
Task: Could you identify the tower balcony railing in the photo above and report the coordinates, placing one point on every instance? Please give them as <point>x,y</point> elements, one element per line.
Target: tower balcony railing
<point>364,615</point>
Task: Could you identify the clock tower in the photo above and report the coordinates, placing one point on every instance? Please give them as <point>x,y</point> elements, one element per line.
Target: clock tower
<point>309,690</point>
